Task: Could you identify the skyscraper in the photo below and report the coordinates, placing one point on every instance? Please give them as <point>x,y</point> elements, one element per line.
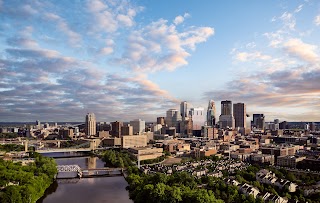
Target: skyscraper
<point>139,126</point>
<point>116,128</point>
<point>258,121</point>
<point>38,124</point>
<point>90,125</point>
<point>211,113</point>
<point>160,120</point>
<point>226,107</point>
<point>226,120</point>
<point>172,117</point>
<point>184,110</point>
<point>240,115</point>
<point>198,117</point>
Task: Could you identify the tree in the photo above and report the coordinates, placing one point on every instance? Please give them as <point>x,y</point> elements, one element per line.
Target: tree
<point>12,195</point>
<point>121,164</point>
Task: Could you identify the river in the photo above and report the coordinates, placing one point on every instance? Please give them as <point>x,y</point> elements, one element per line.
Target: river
<point>98,189</point>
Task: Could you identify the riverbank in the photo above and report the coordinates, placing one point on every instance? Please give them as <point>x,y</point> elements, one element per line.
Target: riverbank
<point>26,183</point>
<point>98,189</point>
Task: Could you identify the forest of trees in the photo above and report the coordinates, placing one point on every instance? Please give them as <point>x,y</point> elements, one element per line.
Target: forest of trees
<point>11,147</point>
<point>26,184</point>
<point>114,158</point>
<point>183,187</point>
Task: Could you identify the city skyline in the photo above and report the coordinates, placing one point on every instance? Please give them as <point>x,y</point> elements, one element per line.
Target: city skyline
<point>128,60</point>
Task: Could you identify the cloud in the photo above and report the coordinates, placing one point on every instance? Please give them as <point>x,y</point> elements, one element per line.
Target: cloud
<point>317,20</point>
<point>280,92</point>
<point>303,51</point>
<point>288,20</point>
<point>299,8</point>
<point>110,16</point>
<point>74,37</point>
<point>63,84</point>
<point>178,20</point>
<point>161,46</point>
<point>125,20</point>
<point>21,42</point>
<point>43,78</point>
<point>245,56</point>
<point>96,6</point>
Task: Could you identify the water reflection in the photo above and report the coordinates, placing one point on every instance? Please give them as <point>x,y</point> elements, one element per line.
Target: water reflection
<point>92,162</point>
<point>101,189</point>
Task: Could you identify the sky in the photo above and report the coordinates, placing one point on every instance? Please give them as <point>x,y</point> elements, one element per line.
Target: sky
<point>125,60</point>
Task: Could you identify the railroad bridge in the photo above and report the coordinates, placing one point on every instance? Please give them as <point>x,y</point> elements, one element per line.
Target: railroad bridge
<point>75,171</point>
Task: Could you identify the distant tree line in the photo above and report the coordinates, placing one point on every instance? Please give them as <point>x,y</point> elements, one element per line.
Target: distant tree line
<point>9,135</point>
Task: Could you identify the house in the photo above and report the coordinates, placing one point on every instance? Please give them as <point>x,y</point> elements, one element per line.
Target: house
<point>249,190</point>
<point>267,177</point>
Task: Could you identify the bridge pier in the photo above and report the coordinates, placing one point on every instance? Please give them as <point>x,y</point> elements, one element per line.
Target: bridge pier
<point>26,146</point>
<point>92,145</point>
<point>58,144</point>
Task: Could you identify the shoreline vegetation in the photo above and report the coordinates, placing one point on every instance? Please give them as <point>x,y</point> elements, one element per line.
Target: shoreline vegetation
<point>158,188</point>
<point>183,187</point>
<point>26,183</point>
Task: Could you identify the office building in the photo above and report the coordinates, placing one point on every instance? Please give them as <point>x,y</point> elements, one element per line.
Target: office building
<point>66,133</point>
<point>283,125</point>
<point>127,130</point>
<point>184,110</point>
<point>139,126</point>
<point>226,119</point>
<point>240,115</point>
<point>90,124</point>
<point>198,117</point>
<point>258,121</point>
<point>116,128</point>
<point>172,117</point>
<point>289,161</point>
<point>160,120</point>
<point>134,141</point>
<point>211,113</point>
<point>38,124</point>
<point>226,107</point>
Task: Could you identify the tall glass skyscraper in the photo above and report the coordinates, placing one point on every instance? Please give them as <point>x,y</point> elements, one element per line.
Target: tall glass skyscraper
<point>184,110</point>
<point>211,113</point>
<point>226,107</point>
<point>226,119</point>
<point>240,115</point>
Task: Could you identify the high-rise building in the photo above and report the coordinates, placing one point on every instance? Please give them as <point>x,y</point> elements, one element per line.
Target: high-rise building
<point>226,119</point>
<point>38,124</point>
<point>198,117</point>
<point>116,128</point>
<point>211,113</point>
<point>283,125</point>
<point>184,110</point>
<point>312,127</point>
<point>240,115</point>
<point>172,117</point>
<point>127,130</point>
<point>160,120</point>
<point>139,126</point>
<point>226,107</point>
<point>90,125</point>
<point>258,121</point>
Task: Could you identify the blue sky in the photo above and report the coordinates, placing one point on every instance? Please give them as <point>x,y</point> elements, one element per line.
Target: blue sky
<point>125,59</point>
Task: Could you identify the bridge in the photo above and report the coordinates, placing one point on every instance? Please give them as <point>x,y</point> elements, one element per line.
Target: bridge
<point>56,150</point>
<point>88,145</point>
<point>74,171</point>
